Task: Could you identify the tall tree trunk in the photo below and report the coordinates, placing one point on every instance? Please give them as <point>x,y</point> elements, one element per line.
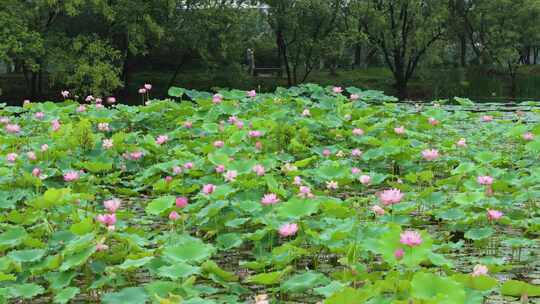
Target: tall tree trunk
<point>40,83</point>
<point>401,89</point>
<point>357,55</point>
<point>283,50</point>
<point>463,50</point>
<point>177,70</point>
<point>33,81</point>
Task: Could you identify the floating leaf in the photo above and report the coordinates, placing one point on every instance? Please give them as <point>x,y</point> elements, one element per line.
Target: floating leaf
<point>479,233</point>
<point>178,271</point>
<point>430,287</point>
<point>159,205</point>
<point>518,288</point>
<point>191,251</point>
<point>29,255</point>
<point>66,294</point>
<point>131,295</point>
<point>302,282</point>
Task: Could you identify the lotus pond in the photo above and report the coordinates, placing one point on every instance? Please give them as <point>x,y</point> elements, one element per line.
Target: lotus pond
<point>306,195</point>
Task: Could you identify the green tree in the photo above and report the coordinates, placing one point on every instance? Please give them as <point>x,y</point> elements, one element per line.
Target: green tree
<point>501,32</point>
<point>302,28</point>
<point>87,65</point>
<point>404,31</point>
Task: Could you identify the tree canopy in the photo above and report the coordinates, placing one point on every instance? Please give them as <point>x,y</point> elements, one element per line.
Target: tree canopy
<point>92,46</point>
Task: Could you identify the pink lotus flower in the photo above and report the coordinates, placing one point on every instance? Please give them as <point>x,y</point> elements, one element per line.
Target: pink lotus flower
<point>399,253</point>
<point>358,132</point>
<point>103,127</point>
<point>354,97</point>
<point>71,176</point>
<point>494,215</point>
<point>355,170</point>
<point>99,100</point>
<point>255,133</point>
<point>259,170</point>
<point>107,144</point>
<point>356,153</point>
<point>332,185</point>
<point>89,98</point>
<point>220,169</point>
<point>44,147</point>
<point>188,165</point>
<point>485,180</point>
<point>13,128</point>
<point>306,113</point>
<point>4,120</point>
<point>251,93</point>
<point>432,121</point>
<point>391,197</point>
<point>36,172</point>
<point>55,125</point>
<point>326,153</point>
<point>297,181</point>
<point>168,179</point>
<point>230,175</point>
<point>177,170</point>
<point>479,270</point>
<point>430,154</point>
<point>142,91</point>
<point>365,179</point>
<point>258,145</point>
<point>487,118</point>
<point>399,130</point>
<point>101,247</point>
<point>112,205</point>
<point>181,202</point>
<point>81,108</point>
<point>26,102</point>
<point>111,100</point>
<point>208,189</point>
<point>528,136</point>
<point>287,230</point>
<point>217,98</point>
<point>39,115</point>
<point>377,210</point>
<point>161,139</point>
<point>239,124</point>
<point>219,144</point>
<point>305,192</point>
<point>270,199</point>
<point>12,157</point>
<point>136,155</point>
<point>65,94</point>
<point>410,238</point>
<point>99,106</point>
<point>148,86</point>
<point>31,155</point>
<point>188,125</point>
<point>337,90</point>
<point>462,142</point>
<point>107,219</point>
<point>174,216</point>
<point>288,167</point>
<point>262,299</point>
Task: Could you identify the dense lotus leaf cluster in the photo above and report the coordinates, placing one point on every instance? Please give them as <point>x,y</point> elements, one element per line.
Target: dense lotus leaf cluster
<point>306,195</point>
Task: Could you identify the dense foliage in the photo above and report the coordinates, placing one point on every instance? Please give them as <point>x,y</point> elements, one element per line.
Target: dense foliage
<point>94,46</point>
<point>309,194</point>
